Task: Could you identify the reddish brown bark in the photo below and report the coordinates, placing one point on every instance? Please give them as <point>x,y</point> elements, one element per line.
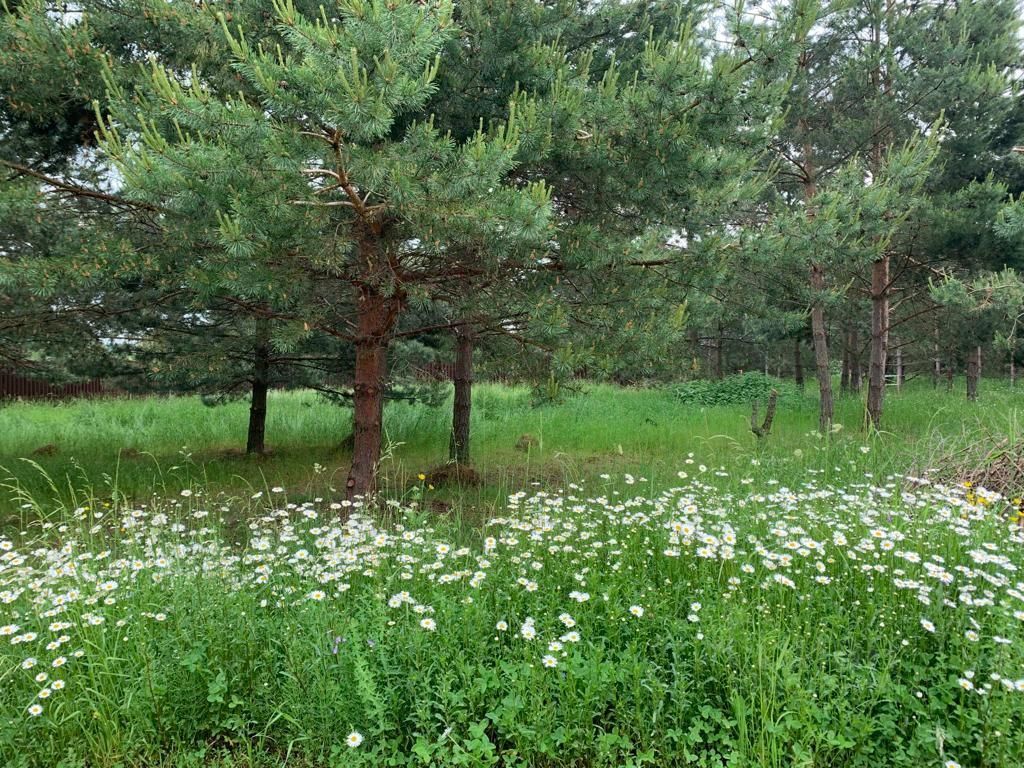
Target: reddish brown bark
<point>376,317</point>
<point>462,376</point>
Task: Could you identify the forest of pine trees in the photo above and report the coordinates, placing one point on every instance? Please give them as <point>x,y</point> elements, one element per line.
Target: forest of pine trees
<point>228,197</point>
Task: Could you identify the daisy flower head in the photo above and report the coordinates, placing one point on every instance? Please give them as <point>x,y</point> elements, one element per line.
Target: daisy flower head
<point>549,661</point>
<point>354,739</point>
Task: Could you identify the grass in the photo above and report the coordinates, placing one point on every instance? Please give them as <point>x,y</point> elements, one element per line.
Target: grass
<point>605,599</point>
<point>163,444</point>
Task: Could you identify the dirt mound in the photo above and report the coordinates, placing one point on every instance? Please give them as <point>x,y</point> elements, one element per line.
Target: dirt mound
<point>527,443</point>
<point>453,474</point>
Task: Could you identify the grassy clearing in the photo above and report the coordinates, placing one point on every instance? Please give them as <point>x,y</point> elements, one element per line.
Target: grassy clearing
<point>731,620</point>
<point>162,445</point>
<point>793,602</point>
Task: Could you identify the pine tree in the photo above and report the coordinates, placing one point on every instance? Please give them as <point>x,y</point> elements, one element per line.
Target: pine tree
<point>333,194</point>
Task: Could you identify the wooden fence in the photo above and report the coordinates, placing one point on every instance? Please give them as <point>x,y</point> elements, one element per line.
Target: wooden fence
<point>14,386</point>
<point>437,370</point>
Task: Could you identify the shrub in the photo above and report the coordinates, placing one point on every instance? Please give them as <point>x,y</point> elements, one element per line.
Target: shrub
<point>738,389</point>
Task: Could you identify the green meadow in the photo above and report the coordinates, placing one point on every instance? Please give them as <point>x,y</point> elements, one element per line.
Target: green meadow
<point>136,447</point>
<point>643,582</point>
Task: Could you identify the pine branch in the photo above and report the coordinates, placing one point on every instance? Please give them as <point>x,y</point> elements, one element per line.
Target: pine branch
<point>76,189</point>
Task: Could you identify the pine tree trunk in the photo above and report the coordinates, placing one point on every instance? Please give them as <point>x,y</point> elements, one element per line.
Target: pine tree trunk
<point>881,85</point>
<point>846,372</point>
<point>376,316</point>
<point>879,339</point>
<point>697,351</point>
<point>855,368</point>
<point>819,335</point>
<point>821,367</point>
<point>458,449</point>
<point>973,373</point>
<point>717,359</point>
<point>798,363</point>
<point>899,368</point>
<point>256,439</point>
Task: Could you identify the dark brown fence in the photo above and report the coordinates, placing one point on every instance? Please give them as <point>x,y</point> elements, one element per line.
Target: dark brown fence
<point>437,370</point>
<point>14,386</point>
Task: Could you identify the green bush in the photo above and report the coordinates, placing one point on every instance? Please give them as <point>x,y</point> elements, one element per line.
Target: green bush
<point>735,390</point>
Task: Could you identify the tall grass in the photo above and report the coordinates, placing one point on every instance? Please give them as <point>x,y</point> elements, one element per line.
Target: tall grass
<point>647,584</point>
<point>164,444</point>
<point>732,620</point>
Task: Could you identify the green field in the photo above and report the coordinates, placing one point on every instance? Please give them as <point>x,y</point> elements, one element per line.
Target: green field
<point>650,585</point>
<point>142,446</point>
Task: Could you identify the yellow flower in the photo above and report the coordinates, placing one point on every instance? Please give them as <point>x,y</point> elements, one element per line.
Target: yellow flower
<point>421,476</point>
